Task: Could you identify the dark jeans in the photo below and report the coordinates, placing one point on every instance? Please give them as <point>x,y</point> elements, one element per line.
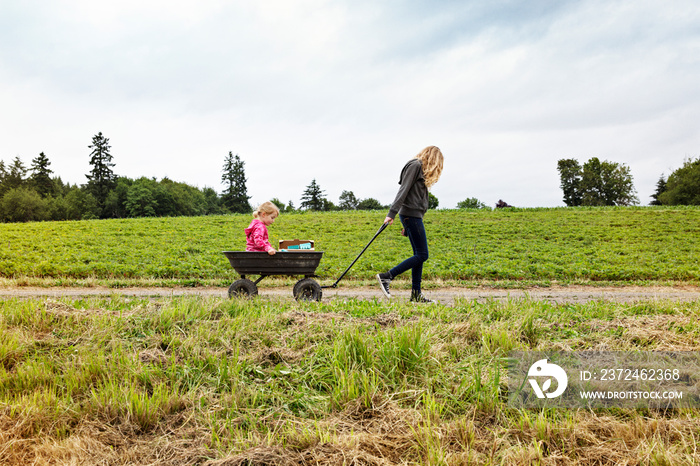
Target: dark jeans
<point>415,230</point>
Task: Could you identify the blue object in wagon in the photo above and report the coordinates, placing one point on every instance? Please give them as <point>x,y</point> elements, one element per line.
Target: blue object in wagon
<point>300,246</point>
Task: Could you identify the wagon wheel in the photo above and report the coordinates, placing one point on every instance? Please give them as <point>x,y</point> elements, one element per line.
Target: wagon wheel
<point>242,288</point>
<point>307,289</point>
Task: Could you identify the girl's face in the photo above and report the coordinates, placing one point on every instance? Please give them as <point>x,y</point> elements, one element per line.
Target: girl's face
<point>267,219</point>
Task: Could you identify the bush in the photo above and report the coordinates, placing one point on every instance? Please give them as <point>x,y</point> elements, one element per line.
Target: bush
<point>81,205</point>
<point>369,204</point>
<point>433,202</point>
<point>471,203</point>
<point>141,200</point>
<point>23,205</point>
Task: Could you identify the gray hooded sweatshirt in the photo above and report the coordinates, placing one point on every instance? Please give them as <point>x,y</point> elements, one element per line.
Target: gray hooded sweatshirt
<point>412,198</point>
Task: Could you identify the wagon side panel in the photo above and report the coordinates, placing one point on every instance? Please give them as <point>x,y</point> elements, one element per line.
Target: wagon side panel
<point>282,263</point>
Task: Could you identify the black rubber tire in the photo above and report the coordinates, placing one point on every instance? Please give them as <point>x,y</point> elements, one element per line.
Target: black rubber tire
<point>307,289</point>
<point>242,288</point>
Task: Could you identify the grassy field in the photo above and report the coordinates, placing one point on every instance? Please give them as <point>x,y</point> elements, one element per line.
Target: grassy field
<point>511,247</point>
<point>262,382</point>
<point>211,381</point>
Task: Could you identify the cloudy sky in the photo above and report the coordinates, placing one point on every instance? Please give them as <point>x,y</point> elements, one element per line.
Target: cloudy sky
<point>346,91</point>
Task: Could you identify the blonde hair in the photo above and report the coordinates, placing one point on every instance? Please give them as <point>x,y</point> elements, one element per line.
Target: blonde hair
<point>267,208</point>
<point>431,159</point>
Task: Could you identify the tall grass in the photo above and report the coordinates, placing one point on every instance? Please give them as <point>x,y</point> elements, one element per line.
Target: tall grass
<point>202,379</point>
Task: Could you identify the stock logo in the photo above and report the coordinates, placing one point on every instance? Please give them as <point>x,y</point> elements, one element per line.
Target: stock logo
<point>547,371</point>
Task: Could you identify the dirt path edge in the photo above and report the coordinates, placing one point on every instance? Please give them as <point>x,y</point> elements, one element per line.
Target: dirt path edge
<point>443,295</point>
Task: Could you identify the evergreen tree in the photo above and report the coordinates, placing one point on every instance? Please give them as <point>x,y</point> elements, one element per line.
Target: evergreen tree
<point>235,196</point>
<point>41,176</point>
<point>14,176</point>
<point>101,179</point>
<point>3,175</point>
<point>660,188</point>
<point>313,197</point>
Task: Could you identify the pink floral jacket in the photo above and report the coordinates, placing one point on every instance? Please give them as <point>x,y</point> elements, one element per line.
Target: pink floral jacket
<point>256,237</point>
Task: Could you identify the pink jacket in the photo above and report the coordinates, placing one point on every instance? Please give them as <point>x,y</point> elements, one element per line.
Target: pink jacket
<point>256,237</point>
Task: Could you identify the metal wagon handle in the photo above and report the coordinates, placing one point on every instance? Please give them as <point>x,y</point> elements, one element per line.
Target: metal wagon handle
<point>381,229</point>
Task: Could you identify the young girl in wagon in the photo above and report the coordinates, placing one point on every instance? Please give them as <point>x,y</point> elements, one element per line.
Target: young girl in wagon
<point>256,233</point>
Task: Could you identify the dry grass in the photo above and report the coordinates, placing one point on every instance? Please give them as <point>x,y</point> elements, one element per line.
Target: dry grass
<point>214,382</point>
<point>96,442</point>
<point>389,437</point>
<point>662,332</point>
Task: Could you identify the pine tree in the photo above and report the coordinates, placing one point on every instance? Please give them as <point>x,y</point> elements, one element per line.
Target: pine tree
<point>101,179</point>
<point>12,176</point>
<point>41,175</point>
<point>17,174</point>
<point>660,188</point>
<point>313,197</point>
<point>235,196</point>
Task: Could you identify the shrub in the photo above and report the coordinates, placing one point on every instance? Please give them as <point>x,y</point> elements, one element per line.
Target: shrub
<point>471,203</point>
<point>23,205</point>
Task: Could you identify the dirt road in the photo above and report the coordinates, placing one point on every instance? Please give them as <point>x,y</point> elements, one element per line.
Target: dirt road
<point>443,295</point>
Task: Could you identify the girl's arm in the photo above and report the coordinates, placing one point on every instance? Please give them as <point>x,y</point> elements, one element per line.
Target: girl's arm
<point>408,177</point>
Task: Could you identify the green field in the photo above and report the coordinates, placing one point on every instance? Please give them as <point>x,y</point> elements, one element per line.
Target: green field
<point>231,382</point>
<point>511,246</point>
<point>185,381</point>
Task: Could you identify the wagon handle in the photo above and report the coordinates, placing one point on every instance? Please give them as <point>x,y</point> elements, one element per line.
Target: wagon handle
<point>381,229</point>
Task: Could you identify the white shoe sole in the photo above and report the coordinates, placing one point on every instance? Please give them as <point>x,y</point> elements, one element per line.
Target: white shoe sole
<point>381,287</point>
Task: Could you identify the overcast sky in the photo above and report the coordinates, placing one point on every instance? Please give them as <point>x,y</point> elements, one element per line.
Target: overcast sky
<point>345,92</point>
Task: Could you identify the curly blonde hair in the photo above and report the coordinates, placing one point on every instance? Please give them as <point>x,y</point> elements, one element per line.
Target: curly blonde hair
<point>267,208</point>
<point>431,158</point>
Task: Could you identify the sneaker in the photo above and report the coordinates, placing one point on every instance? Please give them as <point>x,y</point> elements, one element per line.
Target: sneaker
<point>384,281</point>
<point>418,297</point>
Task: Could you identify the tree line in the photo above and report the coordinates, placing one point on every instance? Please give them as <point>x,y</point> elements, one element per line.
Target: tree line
<point>314,198</point>
<point>34,194</point>
<point>235,195</point>
<point>605,183</point>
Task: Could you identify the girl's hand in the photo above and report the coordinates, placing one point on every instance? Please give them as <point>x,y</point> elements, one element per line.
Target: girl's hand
<point>272,252</point>
<point>389,220</point>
